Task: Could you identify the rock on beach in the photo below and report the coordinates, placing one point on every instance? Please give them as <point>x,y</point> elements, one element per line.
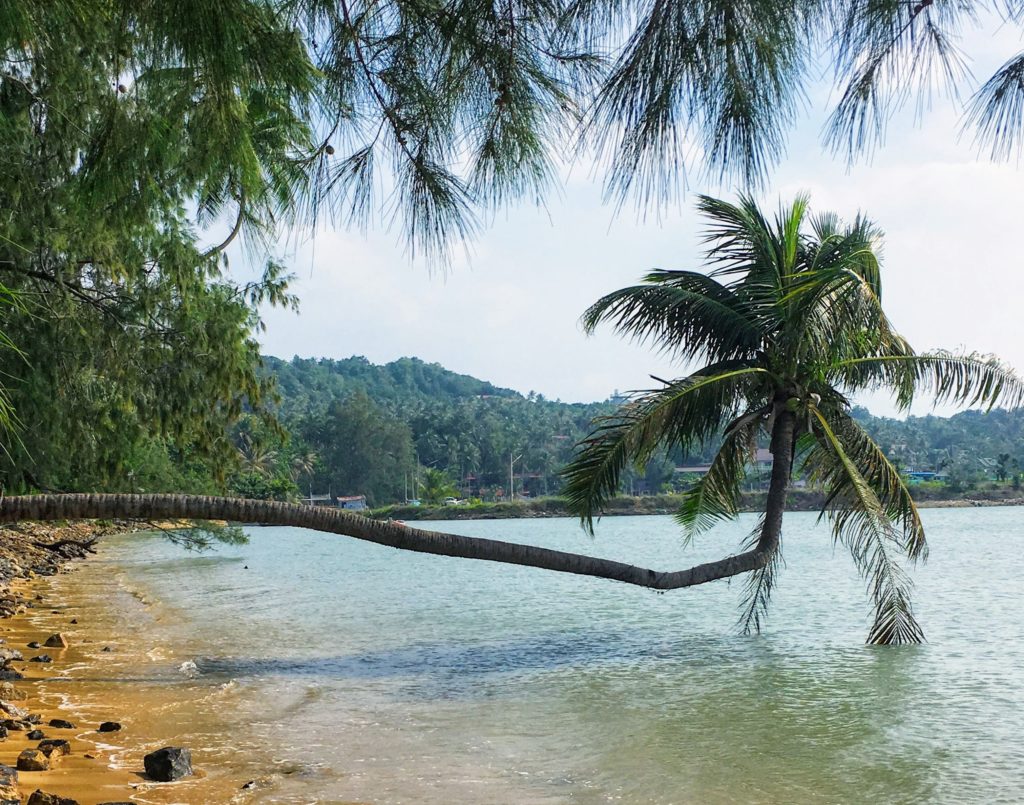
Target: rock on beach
<point>168,764</point>
<point>40,797</point>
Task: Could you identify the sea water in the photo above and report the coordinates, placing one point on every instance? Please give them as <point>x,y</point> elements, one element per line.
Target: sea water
<point>325,669</point>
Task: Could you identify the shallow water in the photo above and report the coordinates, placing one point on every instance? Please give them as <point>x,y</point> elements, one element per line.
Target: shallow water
<point>333,670</point>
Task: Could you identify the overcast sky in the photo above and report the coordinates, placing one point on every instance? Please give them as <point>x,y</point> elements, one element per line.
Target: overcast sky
<point>952,277</point>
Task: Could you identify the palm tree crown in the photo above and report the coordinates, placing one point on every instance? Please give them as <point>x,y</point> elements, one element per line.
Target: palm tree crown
<point>787,324</point>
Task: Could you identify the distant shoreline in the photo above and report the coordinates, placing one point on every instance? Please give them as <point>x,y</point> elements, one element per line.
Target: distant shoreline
<point>668,504</point>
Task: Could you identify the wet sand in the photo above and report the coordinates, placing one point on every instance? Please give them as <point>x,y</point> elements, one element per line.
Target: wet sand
<point>86,686</point>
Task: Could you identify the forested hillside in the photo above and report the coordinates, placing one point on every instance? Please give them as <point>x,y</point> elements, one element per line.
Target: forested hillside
<point>410,429</point>
<point>383,431</point>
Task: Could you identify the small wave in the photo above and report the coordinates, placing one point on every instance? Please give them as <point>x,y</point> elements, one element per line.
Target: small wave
<point>189,669</point>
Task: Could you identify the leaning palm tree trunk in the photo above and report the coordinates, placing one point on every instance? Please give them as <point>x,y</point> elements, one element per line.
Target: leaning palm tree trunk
<point>336,521</point>
<point>782,469</point>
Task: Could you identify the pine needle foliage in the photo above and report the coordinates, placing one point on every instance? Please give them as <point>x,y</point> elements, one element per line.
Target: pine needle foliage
<point>790,324</point>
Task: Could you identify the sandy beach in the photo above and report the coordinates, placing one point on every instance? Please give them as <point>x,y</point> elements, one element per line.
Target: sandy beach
<point>80,686</point>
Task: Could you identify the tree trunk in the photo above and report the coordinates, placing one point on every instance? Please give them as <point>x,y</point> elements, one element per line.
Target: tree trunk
<point>783,433</point>
<point>337,521</point>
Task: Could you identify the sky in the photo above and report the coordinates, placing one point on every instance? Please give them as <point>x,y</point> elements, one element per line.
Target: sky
<point>507,309</point>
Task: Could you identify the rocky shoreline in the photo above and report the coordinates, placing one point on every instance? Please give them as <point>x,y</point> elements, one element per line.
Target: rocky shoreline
<point>42,742</point>
<point>29,550</point>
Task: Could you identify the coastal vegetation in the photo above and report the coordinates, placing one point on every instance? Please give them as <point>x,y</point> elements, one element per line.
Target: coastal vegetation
<point>469,428</point>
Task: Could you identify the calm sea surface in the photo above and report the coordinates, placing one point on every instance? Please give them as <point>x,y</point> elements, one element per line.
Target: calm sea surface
<point>333,670</point>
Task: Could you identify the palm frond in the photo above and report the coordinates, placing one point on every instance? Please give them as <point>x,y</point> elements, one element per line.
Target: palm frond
<point>688,314</point>
<point>758,586</point>
<point>971,379</point>
<point>684,413</point>
<point>715,497</point>
<point>883,479</point>
<point>860,522</point>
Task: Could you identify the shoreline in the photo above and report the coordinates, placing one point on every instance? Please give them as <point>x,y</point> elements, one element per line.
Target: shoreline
<point>87,775</point>
<point>647,505</point>
<point>32,555</point>
<point>80,685</point>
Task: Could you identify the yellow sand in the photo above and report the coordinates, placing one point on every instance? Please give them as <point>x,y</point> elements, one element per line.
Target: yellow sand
<point>87,774</point>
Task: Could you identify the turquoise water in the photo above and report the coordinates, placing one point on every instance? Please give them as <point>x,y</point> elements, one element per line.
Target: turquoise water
<point>356,672</point>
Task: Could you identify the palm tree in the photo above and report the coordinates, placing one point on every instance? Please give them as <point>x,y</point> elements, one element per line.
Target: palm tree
<point>435,485</point>
<point>302,464</point>
<point>788,324</point>
<point>254,456</point>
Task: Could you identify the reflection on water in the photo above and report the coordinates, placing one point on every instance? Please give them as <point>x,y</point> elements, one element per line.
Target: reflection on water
<point>338,670</point>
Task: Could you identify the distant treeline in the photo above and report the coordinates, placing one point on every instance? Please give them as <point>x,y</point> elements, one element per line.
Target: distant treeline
<point>410,429</point>
<point>355,428</point>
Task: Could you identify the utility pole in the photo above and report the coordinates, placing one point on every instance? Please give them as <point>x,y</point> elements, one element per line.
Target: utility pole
<point>511,478</point>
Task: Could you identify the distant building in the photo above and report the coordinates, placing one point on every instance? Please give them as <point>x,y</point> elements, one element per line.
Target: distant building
<point>918,476</point>
<point>318,500</point>
<point>352,502</point>
<point>696,469</point>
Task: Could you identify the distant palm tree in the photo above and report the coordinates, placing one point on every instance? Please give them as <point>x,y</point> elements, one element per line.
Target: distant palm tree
<point>788,324</point>
<point>255,456</point>
<point>302,464</point>
<point>435,485</point>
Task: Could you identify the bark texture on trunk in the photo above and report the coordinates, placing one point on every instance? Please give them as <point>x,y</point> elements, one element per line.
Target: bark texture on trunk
<point>395,535</point>
<point>783,434</point>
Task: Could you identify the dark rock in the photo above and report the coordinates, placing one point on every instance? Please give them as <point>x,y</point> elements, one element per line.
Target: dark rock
<point>15,724</point>
<point>74,620</point>
<point>3,734</point>
<point>58,745</point>
<point>10,673</point>
<point>8,655</point>
<point>35,644</point>
<point>36,735</point>
<point>34,760</point>
<point>44,798</point>
<point>56,641</point>
<point>61,724</point>
<point>34,718</point>
<point>168,764</point>
<point>107,648</point>
<point>42,658</point>
<point>109,726</point>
